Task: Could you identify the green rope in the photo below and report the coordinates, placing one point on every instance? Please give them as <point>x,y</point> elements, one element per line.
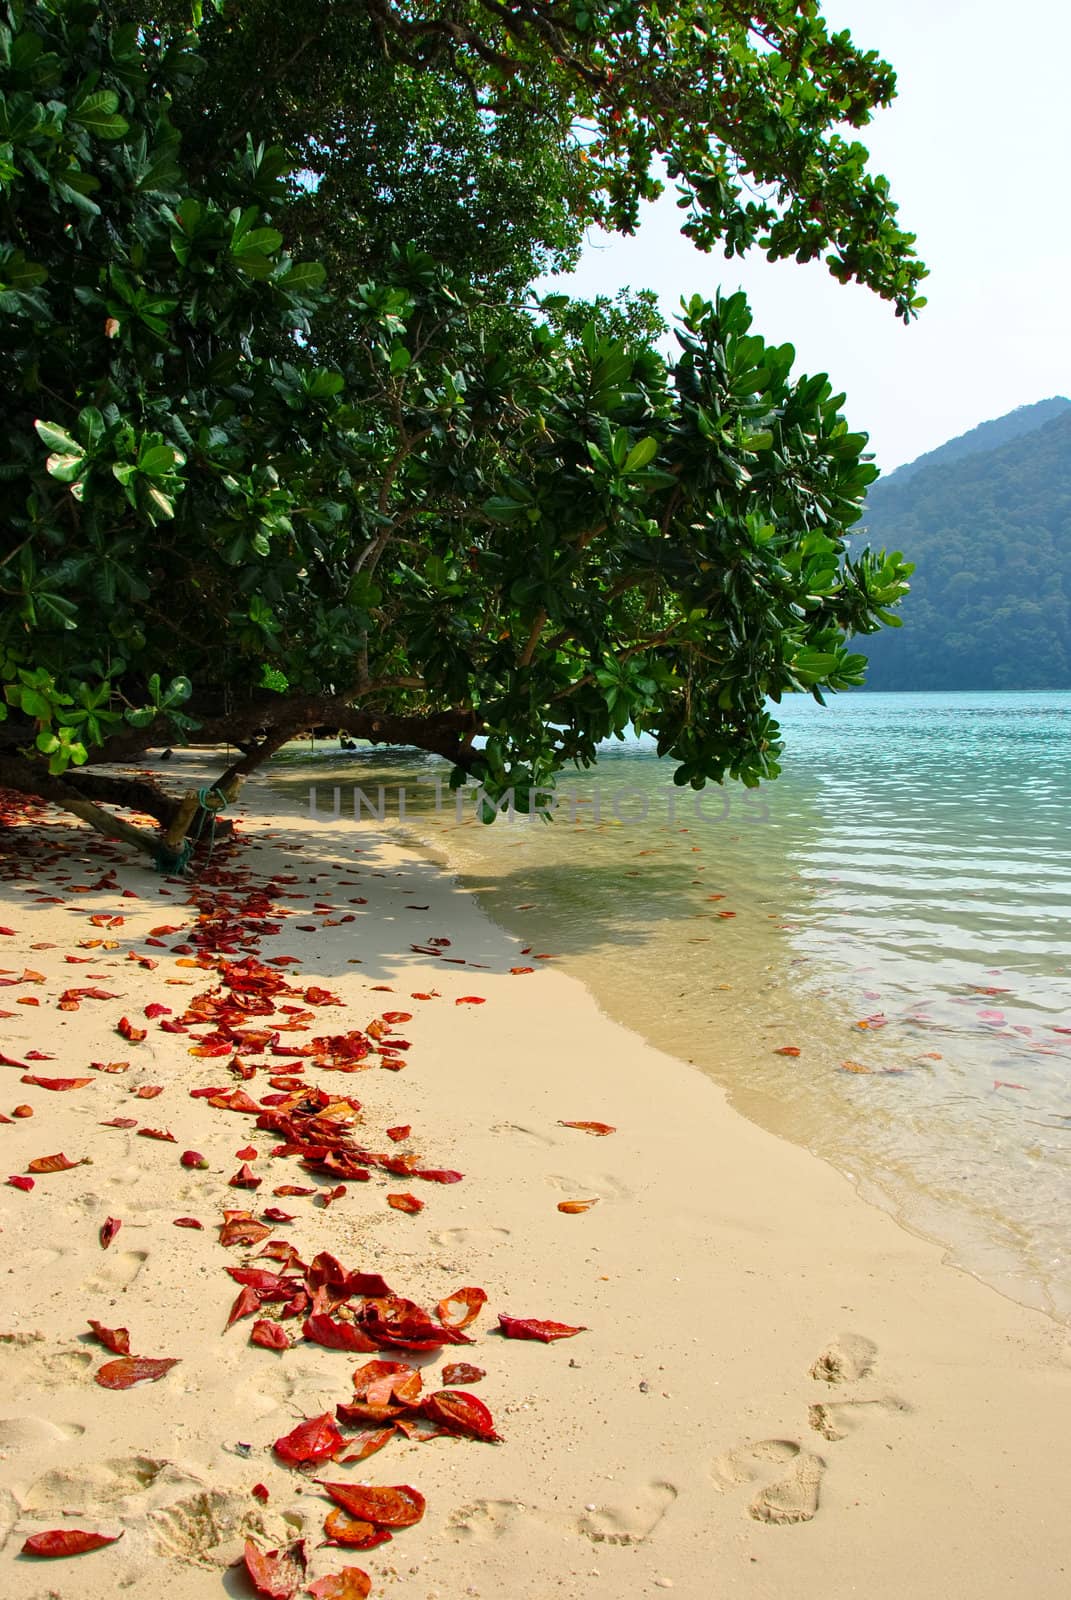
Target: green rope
<point>211,801</point>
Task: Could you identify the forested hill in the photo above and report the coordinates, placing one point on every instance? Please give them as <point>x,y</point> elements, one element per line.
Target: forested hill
<point>990,534</point>
<point>986,436</point>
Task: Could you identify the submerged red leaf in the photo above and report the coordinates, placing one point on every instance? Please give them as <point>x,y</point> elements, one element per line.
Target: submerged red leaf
<point>397,1507</point>
<point>531,1328</point>
<point>276,1573</point>
<point>66,1542</point>
<point>129,1370</point>
<point>315,1439</point>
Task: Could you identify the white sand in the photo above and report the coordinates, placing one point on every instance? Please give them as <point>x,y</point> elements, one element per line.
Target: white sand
<point>675,1445</point>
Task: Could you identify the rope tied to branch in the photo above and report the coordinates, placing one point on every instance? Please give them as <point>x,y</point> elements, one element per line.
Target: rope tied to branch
<point>211,800</point>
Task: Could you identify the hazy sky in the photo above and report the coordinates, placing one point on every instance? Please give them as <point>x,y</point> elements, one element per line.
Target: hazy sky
<point>977,149</point>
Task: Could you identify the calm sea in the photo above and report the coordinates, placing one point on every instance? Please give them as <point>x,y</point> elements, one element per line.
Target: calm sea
<point>895,911</point>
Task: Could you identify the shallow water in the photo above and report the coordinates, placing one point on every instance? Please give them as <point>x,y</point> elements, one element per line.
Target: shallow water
<point>911,871</point>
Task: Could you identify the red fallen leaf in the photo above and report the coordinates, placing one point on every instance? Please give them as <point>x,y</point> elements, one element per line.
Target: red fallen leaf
<point>379,1383</point>
<point>599,1129</point>
<point>397,1016</point>
<point>1002,1083</point>
<point>274,1214</point>
<point>424,996</point>
<point>187,1222</point>
<point>353,1532</point>
<point>462,1372</point>
<point>788,1050</point>
<point>117,1340</point>
<point>349,1584</point>
<point>193,1158</point>
<point>240,1227</point>
<point>54,1083</point>
<point>324,1330</point>
<point>39,1055</point>
<point>110,1066</point>
<point>10,932</point>
<point>291,1189</point>
<point>129,1370</point>
<point>66,1542</point>
<point>9,1061</point>
<point>458,1412</point>
<point>405,1202</point>
<point>396,1507</point>
<point>162,932</point>
<point>530,1328</point>
<point>246,1305</point>
<point>271,1335</point>
<point>461,1307</point>
<point>574,1208</point>
<point>56,1163</point>
<point>470,1000</point>
<point>276,1573</point>
<point>108,1230</point>
<point>402,1131</point>
<point>21,1183</point>
<point>127,1030</point>
<point>245,1178</point>
<point>248,1152</point>
<point>315,1439</point>
<point>259,1491</point>
<point>156,1010</point>
<point>328,1196</point>
<point>157,1133</point>
<point>437,1175</point>
<point>119,1122</point>
<point>147,1091</point>
<point>518,971</point>
<point>369,1446</point>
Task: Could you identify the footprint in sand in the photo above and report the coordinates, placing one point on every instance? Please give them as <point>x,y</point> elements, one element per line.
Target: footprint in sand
<point>118,1272</point>
<point>93,1484</point>
<point>845,1359</point>
<point>34,1434</point>
<point>792,1497</point>
<point>837,1419</point>
<point>632,1521</point>
<point>456,1238</point>
<point>599,1183</point>
<point>207,1529</point>
<point>531,1134</point>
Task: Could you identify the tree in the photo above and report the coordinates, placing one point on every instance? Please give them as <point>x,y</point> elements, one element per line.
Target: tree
<point>245,494</point>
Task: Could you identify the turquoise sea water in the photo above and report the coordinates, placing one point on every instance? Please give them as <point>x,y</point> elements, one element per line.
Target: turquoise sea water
<point>911,871</point>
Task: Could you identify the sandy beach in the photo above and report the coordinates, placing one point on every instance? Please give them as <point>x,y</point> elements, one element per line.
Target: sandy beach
<point>778,1391</point>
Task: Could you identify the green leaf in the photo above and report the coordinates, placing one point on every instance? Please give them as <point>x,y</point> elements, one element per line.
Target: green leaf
<point>640,455</point>
<point>99,114</point>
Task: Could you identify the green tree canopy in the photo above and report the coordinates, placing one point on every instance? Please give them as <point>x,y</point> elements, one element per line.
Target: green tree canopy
<point>290,443</point>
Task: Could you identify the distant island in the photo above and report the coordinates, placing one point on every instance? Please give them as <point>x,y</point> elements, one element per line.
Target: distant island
<point>987,520</point>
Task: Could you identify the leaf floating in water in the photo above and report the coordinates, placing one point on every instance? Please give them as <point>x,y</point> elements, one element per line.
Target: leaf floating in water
<point>66,1542</point>
<point>1001,1083</point>
<point>573,1208</point>
<point>531,1328</point>
<point>855,1066</point>
<point>787,1050</point>
<point>598,1129</point>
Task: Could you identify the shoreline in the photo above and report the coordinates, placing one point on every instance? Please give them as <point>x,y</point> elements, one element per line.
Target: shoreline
<point>721,1266</point>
